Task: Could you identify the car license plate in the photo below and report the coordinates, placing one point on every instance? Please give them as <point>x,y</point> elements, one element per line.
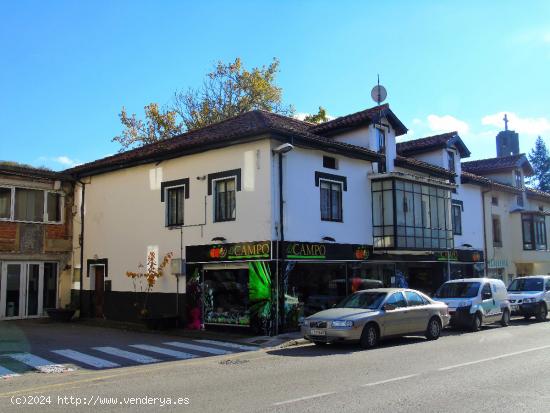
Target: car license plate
<point>314,332</point>
<point>515,307</point>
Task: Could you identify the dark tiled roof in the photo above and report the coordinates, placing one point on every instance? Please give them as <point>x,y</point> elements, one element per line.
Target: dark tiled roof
<point>430,143</point>
<point>415,164</point>
<point>33,173</point>
<point>247,126</point>
<point>468,177</point>
<point>360,118</point>
<point>538,194</point>
<point>503,163</point>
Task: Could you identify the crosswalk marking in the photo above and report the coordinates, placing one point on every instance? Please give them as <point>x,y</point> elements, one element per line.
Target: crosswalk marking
<point>196,347</point>
<point>229,345</point>
<point>165,351</point>
<point>38,363</point>
<point>140,358</point>
<point>86,358</point>
<point>5,373</point>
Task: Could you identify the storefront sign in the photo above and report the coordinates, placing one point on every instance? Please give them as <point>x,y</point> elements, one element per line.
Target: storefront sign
<point>459,256</point>
<point>326,251</point>
<point>244,251</point>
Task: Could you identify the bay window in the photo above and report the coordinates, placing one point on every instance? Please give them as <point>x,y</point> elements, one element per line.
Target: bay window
<point>30,205</point>
<point>5,203</point>
<point>534,232</point>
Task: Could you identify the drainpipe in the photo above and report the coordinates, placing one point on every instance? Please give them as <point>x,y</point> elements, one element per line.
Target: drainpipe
<point>485,251</point>
<point>81,242</point>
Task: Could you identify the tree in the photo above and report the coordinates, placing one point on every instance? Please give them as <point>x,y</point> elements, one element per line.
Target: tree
<point>319,117</point>
<point>230,90</point>
<point>159,125</point>
<point>540,160</point>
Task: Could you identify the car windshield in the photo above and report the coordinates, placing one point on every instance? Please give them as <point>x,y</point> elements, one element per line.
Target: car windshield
<point>458,290</point>
<point>367,300</point>
<point>527,284</point>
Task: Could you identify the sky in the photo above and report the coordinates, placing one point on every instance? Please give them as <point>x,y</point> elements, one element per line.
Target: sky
<point>68,67</point>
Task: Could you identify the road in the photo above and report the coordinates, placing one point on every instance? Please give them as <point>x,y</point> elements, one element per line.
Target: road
<point>494,370</point>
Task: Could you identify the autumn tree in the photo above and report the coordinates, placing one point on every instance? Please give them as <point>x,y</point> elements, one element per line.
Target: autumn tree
<point>319,117</point>
<point>540,159</point>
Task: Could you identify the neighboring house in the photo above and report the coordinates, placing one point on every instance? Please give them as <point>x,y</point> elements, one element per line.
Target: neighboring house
<point>35,241</point>
<point>516,223</point>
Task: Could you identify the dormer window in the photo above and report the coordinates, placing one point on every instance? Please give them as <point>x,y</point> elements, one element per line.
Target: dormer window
<point>381,138</point>
<point>451,161</point>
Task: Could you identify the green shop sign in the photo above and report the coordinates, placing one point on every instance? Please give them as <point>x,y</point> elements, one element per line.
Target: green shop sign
<point>243,251</point>
<point>326,251</point>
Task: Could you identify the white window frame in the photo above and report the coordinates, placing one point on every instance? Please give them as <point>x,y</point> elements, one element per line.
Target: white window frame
<point>167,206</point>
<point>213,189</point>
<point>330,181</point>
<point>45,218</point>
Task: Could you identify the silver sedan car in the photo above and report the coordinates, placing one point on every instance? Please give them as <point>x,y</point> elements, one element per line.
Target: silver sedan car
<point>369,315</point>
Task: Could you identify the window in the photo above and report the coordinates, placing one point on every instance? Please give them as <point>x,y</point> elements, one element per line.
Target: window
<point>422,215</point>
<point>451,160</point>
<point>548,284</point>
<point>457,219</point>
<point>53,207</point>
<point>5,203</point>
<point>381,137</point>
<point>487,290</point>
<point>517,177</point>
<point>174,206</point>
<point>224,202</point>
<point>29,205</point>
<point>331,201</point>
<point>329,162</point>
<point>497,236</point>
<point>397,300</point>
<point>494,201</point>
<point>414,299</point>
<point>534,232</point>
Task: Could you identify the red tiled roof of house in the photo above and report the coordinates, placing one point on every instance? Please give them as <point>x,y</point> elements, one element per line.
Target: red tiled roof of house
<point>468,177</point>
<point>33,173</point>
<point>538,194</point>
<point>502,163</point>
<point>360,118</point>
<point>422,166</point>
<point>430,143</point>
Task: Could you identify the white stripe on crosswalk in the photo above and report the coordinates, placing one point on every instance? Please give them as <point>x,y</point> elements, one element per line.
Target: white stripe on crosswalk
<point>229,345</point>
<point>140,358</point>
<point>86,359</point>
<point>165,351</point>
<point>196,347</point>
<point>5,373</point>
<point>38,363</point>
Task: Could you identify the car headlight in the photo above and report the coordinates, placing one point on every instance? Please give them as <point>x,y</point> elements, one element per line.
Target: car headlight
<point>342,324</point>
<point>530,300</point>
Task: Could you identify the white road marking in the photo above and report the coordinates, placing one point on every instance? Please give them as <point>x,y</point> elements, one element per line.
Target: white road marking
<point>313,396</point>
<point>196,347</point>
<point>6,374</point>
<point>228,345</point>
<point>376,383</point>
<point>140,358</point>
<point>165,351</point>
<point>494,358</point>
<point>86,359</point>
<point>38,363</point>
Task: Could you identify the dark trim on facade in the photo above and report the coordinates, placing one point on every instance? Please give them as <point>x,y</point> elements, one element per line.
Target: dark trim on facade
<point>225,174</point>
<point>170,184</point>
<point>458,202</point>
<point>99,261</point>
<point>331,177</point>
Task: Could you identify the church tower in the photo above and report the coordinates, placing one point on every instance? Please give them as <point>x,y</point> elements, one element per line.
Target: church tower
<point>507,141</point>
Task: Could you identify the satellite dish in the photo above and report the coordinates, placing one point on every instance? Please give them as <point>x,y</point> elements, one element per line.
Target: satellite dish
<point>379,94</point>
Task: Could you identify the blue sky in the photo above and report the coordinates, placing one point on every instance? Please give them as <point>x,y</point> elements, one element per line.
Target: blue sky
<point>68,67</point>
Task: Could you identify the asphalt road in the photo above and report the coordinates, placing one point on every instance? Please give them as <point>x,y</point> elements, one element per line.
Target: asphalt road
<point>494,370</point>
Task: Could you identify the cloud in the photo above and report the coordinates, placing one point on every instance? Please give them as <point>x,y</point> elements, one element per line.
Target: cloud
<point>528,126</point>
<point>447,123</point>
<point>62,160</point>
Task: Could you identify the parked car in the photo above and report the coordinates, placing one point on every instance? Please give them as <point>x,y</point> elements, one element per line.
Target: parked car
<point>530,296</point>
<point>474,302</point>
<point>367,316</point>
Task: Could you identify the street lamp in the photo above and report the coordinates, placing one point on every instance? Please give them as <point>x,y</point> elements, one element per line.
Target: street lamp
<point>280,150</point>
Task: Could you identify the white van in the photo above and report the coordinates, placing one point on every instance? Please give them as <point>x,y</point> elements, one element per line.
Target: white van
<point>530,296</point>
<point>474,302</point>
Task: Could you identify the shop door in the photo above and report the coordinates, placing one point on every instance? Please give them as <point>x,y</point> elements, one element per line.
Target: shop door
<point>21,290</point>
<point>99,289</point>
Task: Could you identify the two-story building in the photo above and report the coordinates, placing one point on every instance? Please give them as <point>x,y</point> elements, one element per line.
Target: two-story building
<point>36,208</point>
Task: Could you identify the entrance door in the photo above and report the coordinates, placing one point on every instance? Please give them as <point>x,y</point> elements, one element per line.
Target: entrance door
<point>20,291</point>
<point>99,277</point>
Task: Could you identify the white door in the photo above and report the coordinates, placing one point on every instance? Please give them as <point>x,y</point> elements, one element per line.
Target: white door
<point>21,287</point>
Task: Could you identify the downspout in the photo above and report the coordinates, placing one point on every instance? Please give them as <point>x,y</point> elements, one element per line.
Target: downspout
<point>485,251</point>
<point>280,261</point>
<point>81,242</point>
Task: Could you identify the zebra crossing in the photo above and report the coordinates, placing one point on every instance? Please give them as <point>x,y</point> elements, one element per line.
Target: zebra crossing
<point>109,357</point>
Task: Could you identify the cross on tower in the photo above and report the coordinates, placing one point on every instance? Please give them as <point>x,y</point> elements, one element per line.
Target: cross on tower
<point>505,119</point>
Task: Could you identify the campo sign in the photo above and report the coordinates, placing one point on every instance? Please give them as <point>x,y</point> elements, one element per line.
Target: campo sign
<point>326,251</point>
<point>243,251</point>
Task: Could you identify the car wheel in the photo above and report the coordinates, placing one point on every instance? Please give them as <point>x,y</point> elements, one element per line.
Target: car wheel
<point>542,313</point>
<point>476,322</point>
<point>505,321</point>
<point>370,336</point>
<point>434,329</point>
